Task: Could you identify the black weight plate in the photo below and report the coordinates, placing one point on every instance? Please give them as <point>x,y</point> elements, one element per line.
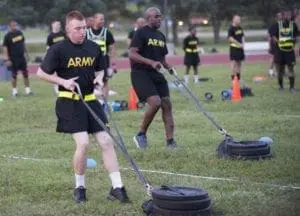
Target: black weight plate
<point>179,193</point>
<point>256,157</point>
<point>222,151</point>
<point>164,212</point>
<point>246,144</point>
<point>183,205</point>
<point>250,151</point>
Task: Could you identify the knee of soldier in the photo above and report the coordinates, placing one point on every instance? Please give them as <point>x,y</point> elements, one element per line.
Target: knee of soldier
<point>82,147</point>
<point>291,72</point>
<point>25,73</point>
<point>166,103</point>
<point>154,101</point>
<point>14,74</point>
<point>106,142</point>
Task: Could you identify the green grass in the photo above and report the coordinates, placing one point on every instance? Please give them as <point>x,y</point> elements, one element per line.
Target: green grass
<point>45,187</point>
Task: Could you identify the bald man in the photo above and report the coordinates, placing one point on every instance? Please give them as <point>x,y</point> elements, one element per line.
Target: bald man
<point>139,23</point>
<point>104,38</point>
<point>147,54</point>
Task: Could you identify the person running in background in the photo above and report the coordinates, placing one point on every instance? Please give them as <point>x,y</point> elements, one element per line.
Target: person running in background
<point>284,35</point>
<point>139,23</point>
<point>89,22</point>
<point>104,38</point>
<point>191,57</point>
<point>272,45</point>
<point>16,57</point>
<point>236,41</point>
<point>147,55</point>
<point>55,36</point>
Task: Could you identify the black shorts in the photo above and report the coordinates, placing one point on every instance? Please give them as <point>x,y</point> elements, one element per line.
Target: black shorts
<point>285,58</point>
<point>191,59</point>
<point>148,83</point>
<point>73,116</point>
<point>236,54</point>
<point>18,64</point>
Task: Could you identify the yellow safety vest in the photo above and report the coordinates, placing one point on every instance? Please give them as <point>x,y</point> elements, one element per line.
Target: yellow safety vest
<point>99,39</point>
<point>286,40</point>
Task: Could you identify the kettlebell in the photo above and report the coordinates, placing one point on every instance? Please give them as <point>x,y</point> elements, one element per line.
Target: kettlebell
<point>226,94</point>
<point>209,96</point>
<point>116,106</point>
<point>124,105</point>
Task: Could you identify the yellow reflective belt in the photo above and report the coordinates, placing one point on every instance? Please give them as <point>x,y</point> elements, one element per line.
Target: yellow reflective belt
<point>234,45</point>
<point>188,50</point>
<point>71,95</point>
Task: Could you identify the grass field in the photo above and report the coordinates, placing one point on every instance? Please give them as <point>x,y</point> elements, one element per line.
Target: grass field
<point>44,186</point>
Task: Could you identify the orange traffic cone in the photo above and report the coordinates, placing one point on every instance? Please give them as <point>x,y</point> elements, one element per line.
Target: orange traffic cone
<point>132,103</point>
<point>236,91</point>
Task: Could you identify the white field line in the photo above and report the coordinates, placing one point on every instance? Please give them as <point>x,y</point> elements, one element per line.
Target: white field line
<point>172,174</point>
<point>216,178</point>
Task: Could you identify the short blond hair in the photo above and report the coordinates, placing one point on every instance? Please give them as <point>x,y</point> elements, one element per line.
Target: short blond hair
<point>74,15</point>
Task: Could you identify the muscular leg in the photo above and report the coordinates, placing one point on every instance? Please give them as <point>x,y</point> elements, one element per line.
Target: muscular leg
<point>187,72</point>
<point>109,156</point>
<point>80,157</point>
<point>105,90</point>
<point>280,73</point>
<point>167,117</point>
<point>154,103</point>
<point>291,75</point>
<point>233,69</point>
<point>196,78</point>
<point>238,69</point>
<point>14,83</point>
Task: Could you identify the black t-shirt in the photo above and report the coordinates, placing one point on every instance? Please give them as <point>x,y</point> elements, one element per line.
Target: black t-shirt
<point>71,60</point>
<point>151,44</point>
<point>15,43</point>
<point>131,34</point>
<point>236,32</point>
<point>274,30</point>
<point>54,38</point>
<point>270,29</point>
<point>191,42</point>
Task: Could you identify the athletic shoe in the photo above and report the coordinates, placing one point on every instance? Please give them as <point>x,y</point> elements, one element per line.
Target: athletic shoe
<point>172,145</point>
<point>79,194</point>
<point>280,89</point>
<point>118,194</point>
<point>16,95</point>
<point>293,90</point>
<point>140,141</point>
<point>29,94</point>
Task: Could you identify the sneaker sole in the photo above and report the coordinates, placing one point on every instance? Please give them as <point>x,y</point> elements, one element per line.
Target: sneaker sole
<point>137,143</point>
<point>112,198</point>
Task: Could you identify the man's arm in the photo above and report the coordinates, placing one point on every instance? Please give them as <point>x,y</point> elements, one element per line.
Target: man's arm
<point>135,56</point>
<point>5,53</point>
<point>243,41</point>
<point>69,84</point>
<point>50,77</point>
<point>166,64</point>
<point>112,54</point>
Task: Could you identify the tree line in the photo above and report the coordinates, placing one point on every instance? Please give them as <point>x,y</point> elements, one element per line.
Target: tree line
<point>35,12</point>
